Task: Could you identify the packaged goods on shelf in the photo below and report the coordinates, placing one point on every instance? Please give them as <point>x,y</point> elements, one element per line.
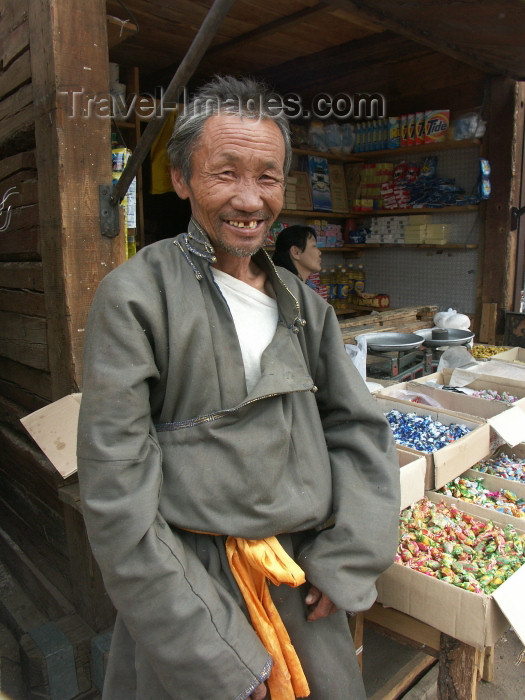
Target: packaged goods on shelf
<point>319,183</point>
<point>303,195</point>
<point>119,159</point>
<point>338,188</point>
<point>436,125</point>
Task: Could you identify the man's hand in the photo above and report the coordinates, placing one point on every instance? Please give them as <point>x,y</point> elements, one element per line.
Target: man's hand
<point>259,693</point>
<point>320,605</point>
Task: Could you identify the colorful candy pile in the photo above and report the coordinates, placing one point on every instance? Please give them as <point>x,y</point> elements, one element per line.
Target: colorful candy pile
<point>483,351</point>
<point>492,395</point>
<point>512,468</point>
<point>474,491</point>
<point>423,433</point>
<point>440,541</point>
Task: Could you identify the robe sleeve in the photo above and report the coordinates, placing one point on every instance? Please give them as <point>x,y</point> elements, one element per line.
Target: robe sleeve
<point>345,559</point>
<point>189,627</point>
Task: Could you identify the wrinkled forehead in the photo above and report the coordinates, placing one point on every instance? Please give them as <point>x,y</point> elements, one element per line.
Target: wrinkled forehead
<point>236,136</point>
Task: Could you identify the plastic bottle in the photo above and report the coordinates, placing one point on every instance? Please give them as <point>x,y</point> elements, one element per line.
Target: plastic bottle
<point>324,283</point>
<point>350,276</point>
<point>333,286</point>
<point>131,246</point>
<point>342,288</point>
<point>359,279</point>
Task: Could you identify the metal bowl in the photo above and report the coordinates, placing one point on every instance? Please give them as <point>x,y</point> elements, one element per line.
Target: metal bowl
<point>455,337</point>
<point>388,342</point>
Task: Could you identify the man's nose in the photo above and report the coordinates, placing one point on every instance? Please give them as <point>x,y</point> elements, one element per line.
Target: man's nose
<point>248,196</point>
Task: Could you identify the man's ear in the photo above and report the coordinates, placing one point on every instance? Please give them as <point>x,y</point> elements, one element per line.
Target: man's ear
<point>179,183</point>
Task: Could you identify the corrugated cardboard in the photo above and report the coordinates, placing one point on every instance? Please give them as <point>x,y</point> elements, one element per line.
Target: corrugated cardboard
<point>495,483</point>
<point>473,618</point>
<point>512,355</point>
<point>507,421</point>
<point>454,459</point>
<point>412,476</point>
<point>54,429</point>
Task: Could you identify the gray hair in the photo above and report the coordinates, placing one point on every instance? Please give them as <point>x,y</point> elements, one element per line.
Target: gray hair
<point>225,95</point>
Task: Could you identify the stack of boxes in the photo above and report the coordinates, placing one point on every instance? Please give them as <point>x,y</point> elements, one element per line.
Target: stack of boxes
<point>422,230</point>
<point>387,229</point>
<point>373,177</point>
<point>329,235</point>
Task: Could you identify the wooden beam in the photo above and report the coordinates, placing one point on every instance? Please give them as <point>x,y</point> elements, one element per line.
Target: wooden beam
<point>278,25</point>
<point>73,159</point>
<point>429,36</point>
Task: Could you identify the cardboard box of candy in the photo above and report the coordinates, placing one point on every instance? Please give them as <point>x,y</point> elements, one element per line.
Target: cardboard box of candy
<point>512,355</point>
<point>412,470</point>
<point>489,495</point>
<point>477,619</point>
<point>510,427</point>
<point>503,474</point>
<point>458,454</point>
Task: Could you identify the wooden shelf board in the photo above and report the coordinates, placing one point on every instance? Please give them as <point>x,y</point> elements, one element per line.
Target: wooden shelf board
<point>453,209</point>
<point>422,148</point>
<point>330,155</point>
<point>390,152</point>
<point>316,214</point>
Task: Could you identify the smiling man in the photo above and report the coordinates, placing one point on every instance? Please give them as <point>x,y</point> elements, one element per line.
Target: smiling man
<point>239,484</point>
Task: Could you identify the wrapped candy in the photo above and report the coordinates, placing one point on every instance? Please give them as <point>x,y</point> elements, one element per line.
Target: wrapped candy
<point>492,395</point>
<point>423,433</point>
<point>440,541</point>
<point>512,468</point>
<point>473,491</point>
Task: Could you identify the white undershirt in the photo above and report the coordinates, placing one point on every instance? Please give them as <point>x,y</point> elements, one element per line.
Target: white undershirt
<point>255,316</point>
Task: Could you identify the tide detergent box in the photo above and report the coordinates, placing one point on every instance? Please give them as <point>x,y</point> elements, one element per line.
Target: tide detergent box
<point>436,125</point>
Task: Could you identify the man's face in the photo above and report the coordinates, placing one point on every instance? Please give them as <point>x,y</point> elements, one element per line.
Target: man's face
<point>237,184</point>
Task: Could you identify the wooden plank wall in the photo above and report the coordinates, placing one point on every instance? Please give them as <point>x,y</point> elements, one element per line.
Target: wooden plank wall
<point>29,505</point>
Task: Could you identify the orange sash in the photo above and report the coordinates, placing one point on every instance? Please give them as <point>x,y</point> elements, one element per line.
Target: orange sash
<point>252,562</point>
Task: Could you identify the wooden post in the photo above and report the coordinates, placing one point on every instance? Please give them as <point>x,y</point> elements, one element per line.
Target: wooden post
<point>503,144</point>
<point>69,63</point>
<point>459,666</point>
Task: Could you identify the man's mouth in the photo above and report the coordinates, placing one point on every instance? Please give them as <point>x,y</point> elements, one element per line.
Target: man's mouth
<point>244,224</point>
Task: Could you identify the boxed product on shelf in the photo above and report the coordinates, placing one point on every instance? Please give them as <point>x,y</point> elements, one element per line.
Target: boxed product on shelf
<point>303,195</point>
<point>456,457</point>
<point>338,188</point>
<point>436,125</point>
<point>319,183</point>
<point>477,619</point>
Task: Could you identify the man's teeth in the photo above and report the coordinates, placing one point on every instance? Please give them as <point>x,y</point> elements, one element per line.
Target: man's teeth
<point>243,224</point>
